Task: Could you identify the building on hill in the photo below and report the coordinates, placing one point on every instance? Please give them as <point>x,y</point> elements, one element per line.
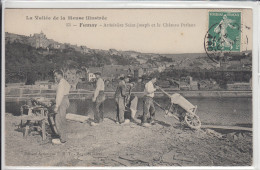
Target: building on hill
<point>110,72</point>
<point>39,40</point>
<point>208,85</point>
<point>239,86</point>
<point>113,52</point>
<point>90,73</point>
<point>75,47</point>
<point>133,54</point>
<point>114,71</point>
<point>84,50</point>
<point>56,46</point>
<point>91,77</point>
<point>161,68</point>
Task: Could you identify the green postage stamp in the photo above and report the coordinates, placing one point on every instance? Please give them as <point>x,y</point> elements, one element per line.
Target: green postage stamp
<point>224,31</point>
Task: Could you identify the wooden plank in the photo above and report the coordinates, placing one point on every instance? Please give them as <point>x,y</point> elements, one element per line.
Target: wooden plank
<point>77,118</point>
<point>226,127</point>
<point>32,118</point>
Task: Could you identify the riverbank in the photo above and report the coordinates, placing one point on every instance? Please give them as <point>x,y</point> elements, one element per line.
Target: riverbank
<point>20,94</point>
<point>164,144</point>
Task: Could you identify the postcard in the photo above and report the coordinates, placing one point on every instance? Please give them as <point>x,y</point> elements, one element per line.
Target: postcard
<point>136,87</point>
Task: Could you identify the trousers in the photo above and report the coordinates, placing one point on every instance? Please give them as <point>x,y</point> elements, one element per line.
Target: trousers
<point>148,107</point>
<point>132,105</point>
<point>120,109</point>
<point>60,118</point>
<point>99,107</point>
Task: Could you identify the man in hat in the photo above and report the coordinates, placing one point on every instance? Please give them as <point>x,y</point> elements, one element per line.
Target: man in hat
<point>98,99</point>
<point>148,105</point>
<point>62,104</point>
<point>131,100</point>
<point>120,96</point>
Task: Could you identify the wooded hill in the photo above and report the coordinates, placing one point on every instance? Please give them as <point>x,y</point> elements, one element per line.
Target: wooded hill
<point>23,61</point>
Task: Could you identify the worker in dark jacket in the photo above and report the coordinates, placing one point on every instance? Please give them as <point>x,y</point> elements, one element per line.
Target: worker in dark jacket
<point>120,96</point>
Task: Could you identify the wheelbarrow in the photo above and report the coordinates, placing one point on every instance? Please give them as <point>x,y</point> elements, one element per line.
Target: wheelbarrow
<point>181,109</point>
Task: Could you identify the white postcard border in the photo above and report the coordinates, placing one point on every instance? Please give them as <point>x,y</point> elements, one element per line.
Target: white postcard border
<point>149,4</point>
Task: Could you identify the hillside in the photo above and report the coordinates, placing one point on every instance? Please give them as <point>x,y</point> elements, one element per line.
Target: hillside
<point>41,41</point>
<point>36,56</point>
<point>23,59</point>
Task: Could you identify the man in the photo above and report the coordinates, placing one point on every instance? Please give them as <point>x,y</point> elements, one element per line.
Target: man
<point>62,104</point>
<point>98,99</point>
<point>75,82</point>
<point>131,101</point>
<point>148,105</point>
<point>120,96</point>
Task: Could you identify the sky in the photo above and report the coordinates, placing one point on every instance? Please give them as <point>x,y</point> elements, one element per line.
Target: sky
<point>166,31</point>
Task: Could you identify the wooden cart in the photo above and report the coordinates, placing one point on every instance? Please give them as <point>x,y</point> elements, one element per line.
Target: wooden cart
<point>36,116</point>
<point>181,109</point>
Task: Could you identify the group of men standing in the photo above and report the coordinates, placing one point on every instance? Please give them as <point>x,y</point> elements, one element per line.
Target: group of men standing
<point>123,98</point>
<point>124,101</point>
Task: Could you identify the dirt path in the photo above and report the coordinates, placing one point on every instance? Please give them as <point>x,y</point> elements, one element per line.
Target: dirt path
<point>110,144</point>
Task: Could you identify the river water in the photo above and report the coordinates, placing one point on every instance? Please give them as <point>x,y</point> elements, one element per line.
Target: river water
<point>221,111</point>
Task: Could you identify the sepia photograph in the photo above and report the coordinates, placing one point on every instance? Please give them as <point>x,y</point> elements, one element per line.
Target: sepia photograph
<point>128,87</point>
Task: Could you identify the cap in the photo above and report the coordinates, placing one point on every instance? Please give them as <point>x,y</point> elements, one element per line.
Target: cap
<point>121,76</point>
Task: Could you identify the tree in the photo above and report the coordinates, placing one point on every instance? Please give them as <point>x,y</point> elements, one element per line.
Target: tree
<point>31,78</point>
